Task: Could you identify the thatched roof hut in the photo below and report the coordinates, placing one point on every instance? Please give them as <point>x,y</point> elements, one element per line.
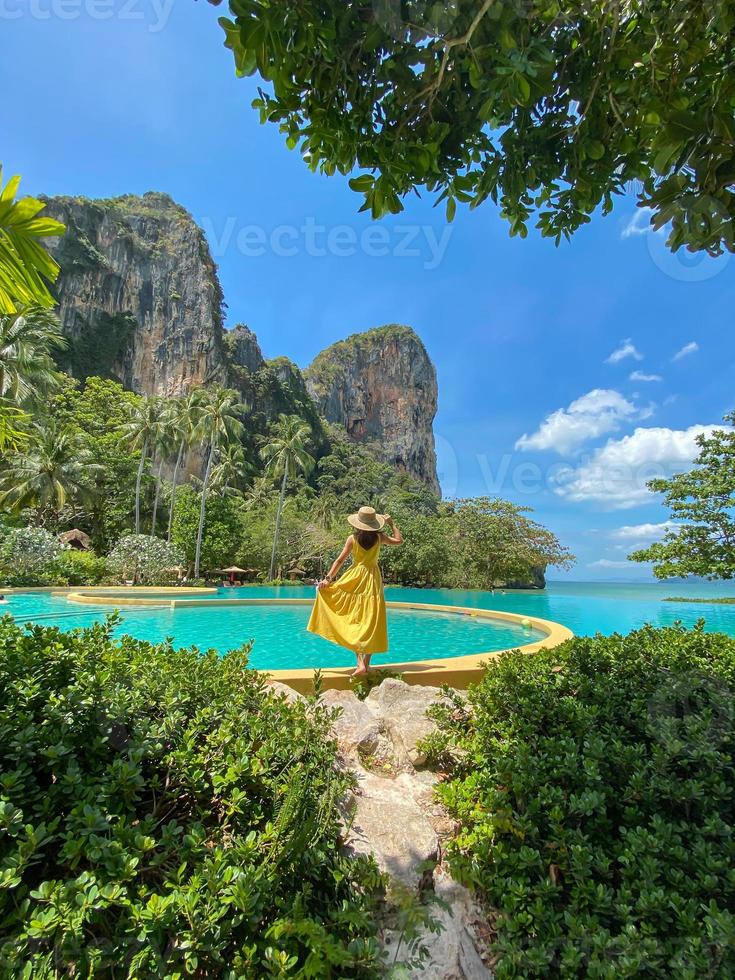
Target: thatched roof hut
<point>76,539</point>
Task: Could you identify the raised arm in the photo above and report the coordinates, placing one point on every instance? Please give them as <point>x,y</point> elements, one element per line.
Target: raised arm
<point>337,564</point>
<point>395,537</point>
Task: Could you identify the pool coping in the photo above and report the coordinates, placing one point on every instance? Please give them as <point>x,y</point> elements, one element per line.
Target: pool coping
<point>457,672</point>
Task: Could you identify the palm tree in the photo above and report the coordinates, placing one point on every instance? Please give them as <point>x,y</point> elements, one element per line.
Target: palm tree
<point>54,469</point>
<point>260,493</point>
<point>229,470</point>
<point>185,416</point>
<point>218,425</point>
<point>162,448</point>
<point>139,433</point>
<point>284,456</point>
<point>27,368</point>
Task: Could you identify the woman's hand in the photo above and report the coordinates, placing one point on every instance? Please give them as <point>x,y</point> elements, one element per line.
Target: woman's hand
<point>322,583</point>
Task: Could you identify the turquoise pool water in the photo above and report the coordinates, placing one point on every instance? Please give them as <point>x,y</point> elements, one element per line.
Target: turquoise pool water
<point>279,632</point>
<point>281,641</point>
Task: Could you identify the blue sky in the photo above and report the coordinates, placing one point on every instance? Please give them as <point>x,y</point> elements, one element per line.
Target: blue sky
<point>125,96</point>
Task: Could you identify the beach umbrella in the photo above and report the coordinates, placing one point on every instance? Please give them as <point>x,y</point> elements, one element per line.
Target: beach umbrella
<point>232,571</point>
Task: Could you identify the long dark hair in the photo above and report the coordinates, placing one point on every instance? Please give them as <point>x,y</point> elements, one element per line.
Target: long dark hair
<point>366,539</point>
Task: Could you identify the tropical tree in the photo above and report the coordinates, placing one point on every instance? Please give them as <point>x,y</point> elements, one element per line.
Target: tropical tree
<point>218,425</point>
<point>260,493</point>
<point>185,417</point>
<point>546,108</point>
<point>139,433</point>
<point>285,454</point>
<point>229,472</point>
<point>27,338</point>
<point>24,262</point>
<point>55,469</point>
<point>163,444</point>
<point>143,557</point>
<point>700,539</point>
<point>12,427</point>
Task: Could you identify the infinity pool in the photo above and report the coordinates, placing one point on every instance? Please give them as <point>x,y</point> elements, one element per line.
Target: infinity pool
<point>281,640</point>
<point>278,632</point>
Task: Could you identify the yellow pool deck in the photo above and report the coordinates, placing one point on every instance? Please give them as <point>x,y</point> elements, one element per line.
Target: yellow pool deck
<point>458,672</point>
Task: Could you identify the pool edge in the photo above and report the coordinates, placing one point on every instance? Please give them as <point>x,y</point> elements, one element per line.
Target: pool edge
<point>457,672</point>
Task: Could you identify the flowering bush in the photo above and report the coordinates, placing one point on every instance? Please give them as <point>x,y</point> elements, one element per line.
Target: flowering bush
<point>25,551</point>
<point>143,558</point>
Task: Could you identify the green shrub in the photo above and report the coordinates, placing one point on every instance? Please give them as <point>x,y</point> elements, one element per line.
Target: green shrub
<point>163,814</point>
<point>79,568</point>
<point>595,786</point>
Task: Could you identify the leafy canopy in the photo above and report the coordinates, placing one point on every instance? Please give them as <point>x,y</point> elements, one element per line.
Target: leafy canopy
<point>548,108</point>
<point>702,502</point>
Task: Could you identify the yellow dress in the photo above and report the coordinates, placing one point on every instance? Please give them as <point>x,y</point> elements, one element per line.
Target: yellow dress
<point>351,611</point>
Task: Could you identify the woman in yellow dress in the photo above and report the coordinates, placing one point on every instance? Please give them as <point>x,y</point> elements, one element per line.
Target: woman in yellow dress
<point>351,611</point>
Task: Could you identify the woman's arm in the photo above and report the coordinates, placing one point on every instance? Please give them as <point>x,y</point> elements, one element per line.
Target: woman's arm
<point>338,563</point>
<point>396,537</point>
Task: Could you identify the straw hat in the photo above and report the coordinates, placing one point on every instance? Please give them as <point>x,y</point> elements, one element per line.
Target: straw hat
<point>366,519</point>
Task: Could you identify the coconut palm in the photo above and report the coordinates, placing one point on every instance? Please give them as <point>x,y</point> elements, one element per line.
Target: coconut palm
<point>27,339</point>
<point>55,469</point>
<point>284,456</point>
<point>163,445</point>
<point>229,470</point>
<point>218,425</point>
<point>139,433</point>
<point>185,416</point>
<point>259,494</point>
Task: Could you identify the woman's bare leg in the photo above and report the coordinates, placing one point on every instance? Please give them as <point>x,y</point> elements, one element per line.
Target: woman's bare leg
<point>361,666</point>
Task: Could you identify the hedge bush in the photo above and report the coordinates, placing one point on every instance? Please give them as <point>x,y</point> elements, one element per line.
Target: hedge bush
<point>595,787</point>
<point>162,814</point>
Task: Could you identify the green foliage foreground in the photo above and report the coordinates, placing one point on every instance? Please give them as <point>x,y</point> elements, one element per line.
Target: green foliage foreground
<point>163,814</point>
<point>595,786</point>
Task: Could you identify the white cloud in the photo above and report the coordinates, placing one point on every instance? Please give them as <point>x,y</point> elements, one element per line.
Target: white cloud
<point>640,376</point>
<point>639,224</point>
<point>631,534</point>
<point>598,412</point>
<point>691,348</point>
<point>608,563</point>
<point>627,349</point>
<point>616,474</point>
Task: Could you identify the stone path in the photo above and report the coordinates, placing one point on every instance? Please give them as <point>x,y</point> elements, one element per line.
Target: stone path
<point>393,816</point>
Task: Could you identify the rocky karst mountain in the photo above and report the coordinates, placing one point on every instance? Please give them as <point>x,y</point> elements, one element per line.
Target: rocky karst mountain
<point>381,385</point>
<point>140,301</point>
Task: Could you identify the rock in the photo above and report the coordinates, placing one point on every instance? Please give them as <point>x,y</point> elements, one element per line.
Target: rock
<point>356,728</point>
<point>284,691</point>
<point>381,385</point>
<point>140,301</point>
<point>455,952</point>
<point>138,293</point>
<point>386,822</point>
<point>402,708</point>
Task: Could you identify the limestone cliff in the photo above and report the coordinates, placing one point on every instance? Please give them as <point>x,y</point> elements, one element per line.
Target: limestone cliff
<point>140,301</point>
<point>138,293</point>
<point>381,385</point>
